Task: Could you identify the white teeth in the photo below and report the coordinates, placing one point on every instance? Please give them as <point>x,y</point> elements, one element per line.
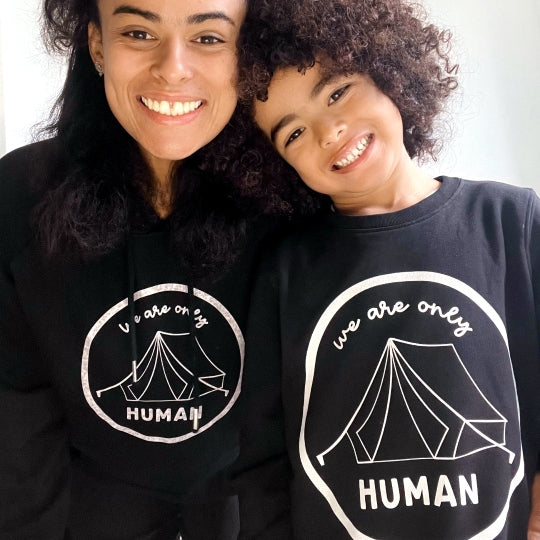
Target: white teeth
<point>165,108</point>
<point>355,153</point>
<point>171,108</point>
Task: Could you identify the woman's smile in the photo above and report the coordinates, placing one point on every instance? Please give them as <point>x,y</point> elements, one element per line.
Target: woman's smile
<point>171,108</point>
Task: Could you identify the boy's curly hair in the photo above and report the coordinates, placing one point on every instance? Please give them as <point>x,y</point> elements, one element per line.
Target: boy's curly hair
<point>390,40</point>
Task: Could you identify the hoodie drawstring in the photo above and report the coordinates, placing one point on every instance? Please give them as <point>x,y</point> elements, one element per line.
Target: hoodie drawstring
<point>194,356</point>
<point>193,348</point>
<point>131,306</point>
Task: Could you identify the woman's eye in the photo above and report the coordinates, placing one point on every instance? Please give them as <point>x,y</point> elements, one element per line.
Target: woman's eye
<point>139,35</point>
<point>209,40</point>
<point>337,94</point>
<point>294,135</point>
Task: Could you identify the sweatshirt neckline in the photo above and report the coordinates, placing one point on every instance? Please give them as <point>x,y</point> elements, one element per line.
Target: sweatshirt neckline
<point>420,210</point>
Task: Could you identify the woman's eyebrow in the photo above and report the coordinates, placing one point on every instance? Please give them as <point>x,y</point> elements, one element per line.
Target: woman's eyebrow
<point>132,10</point>
<point>197,18</point>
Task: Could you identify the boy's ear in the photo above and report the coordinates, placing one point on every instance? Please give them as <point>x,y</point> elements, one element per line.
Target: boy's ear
<point>95,43</point>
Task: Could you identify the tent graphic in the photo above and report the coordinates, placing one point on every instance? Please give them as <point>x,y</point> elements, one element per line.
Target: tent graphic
<point>421,403</point>
<point>161,375</point>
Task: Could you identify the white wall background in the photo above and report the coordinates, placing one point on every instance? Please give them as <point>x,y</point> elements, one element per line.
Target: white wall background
<point>496,122</point>
<point>30,79</point>
<point>496,127</point>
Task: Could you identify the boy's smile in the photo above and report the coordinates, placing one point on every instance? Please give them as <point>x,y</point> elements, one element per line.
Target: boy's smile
<point>343,136</point>
<point>354,153</point>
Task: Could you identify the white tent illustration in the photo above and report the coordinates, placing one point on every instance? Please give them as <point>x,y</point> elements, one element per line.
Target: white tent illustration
<point>161,375</point>
<point>421,403</point>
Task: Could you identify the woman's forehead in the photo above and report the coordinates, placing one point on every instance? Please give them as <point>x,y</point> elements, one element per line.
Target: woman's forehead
<point>186,10</point>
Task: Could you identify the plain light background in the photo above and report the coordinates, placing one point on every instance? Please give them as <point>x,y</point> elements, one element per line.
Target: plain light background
<point>496,114</point>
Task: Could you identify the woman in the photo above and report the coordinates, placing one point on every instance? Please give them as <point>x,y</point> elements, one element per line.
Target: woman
<point>125,257</point>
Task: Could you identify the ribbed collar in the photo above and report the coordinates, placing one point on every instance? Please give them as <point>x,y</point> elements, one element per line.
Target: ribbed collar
<point>419,211</point>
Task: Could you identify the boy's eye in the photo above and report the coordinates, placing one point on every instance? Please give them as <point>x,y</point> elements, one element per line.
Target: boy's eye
<point>294,135</point>
<point>209,40</point>
<point>139,35</point>
<point>337,94</point>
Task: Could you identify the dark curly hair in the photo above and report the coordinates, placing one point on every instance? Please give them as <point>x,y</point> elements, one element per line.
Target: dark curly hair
<point>92,179</point>
<point>390,40</point>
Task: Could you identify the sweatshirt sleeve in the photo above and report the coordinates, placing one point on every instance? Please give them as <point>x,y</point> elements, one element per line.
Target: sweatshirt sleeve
<point>34,455</point>
<point>34,478</point>
<point>534,255</point>
<point>262,472</point>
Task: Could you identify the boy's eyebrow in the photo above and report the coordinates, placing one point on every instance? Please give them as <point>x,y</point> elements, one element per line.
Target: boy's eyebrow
<point>202,17</point>
<point>324,80</point>
<point>280,125</point>
<point>197,18</point>
<point>317,89</point>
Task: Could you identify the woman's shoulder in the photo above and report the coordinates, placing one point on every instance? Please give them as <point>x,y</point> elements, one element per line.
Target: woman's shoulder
<point>20,166</point>
<point>18,170</point>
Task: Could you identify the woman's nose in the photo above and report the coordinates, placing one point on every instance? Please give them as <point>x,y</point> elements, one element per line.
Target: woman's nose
<point>173,62</point>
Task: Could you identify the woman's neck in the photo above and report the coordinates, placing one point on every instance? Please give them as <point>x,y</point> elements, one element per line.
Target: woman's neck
<point>162,200</point>
<point>162,193</point>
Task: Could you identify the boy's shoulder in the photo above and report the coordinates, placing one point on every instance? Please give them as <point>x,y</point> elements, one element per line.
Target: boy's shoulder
<point>496,190</point>
<point>510,204</point>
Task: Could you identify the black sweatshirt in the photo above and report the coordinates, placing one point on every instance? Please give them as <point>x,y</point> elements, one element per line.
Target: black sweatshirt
<point>137,395</point>
<point>393,374</point>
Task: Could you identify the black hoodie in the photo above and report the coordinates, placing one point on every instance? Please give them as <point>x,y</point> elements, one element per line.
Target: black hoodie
<point>130,376</point>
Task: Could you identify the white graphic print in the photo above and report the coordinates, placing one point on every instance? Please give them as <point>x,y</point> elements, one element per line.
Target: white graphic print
<point>188,371</point>
<point>423,410</point>
<point>442,431</point>
<point>161,376</point>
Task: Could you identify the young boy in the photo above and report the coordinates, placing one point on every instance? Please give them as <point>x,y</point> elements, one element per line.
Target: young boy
<point>393,375</point>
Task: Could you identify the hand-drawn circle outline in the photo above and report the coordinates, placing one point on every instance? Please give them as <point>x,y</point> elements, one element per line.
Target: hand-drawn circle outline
<point>489,532</point>
<point>165,287</point>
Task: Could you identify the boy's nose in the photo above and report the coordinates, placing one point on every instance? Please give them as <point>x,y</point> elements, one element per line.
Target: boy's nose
<point>173,62</point>
<point>330,133</point>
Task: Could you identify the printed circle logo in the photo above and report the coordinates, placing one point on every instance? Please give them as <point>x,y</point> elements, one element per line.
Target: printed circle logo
<point>171,374</point>
<point>423,410</point>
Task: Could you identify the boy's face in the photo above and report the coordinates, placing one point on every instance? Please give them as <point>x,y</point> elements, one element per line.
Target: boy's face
<point>343,136</point>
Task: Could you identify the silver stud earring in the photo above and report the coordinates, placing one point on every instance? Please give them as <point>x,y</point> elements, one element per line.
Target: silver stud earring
<point>99,69</point>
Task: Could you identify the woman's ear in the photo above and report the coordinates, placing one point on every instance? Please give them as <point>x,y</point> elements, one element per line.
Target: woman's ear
<point>95,43</point>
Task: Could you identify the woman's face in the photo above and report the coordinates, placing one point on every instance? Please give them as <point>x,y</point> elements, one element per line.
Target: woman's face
<point>169,71</point>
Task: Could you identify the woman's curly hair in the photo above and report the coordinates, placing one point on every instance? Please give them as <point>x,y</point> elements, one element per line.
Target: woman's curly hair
<point>91,176</point>
<point>390,40</point>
